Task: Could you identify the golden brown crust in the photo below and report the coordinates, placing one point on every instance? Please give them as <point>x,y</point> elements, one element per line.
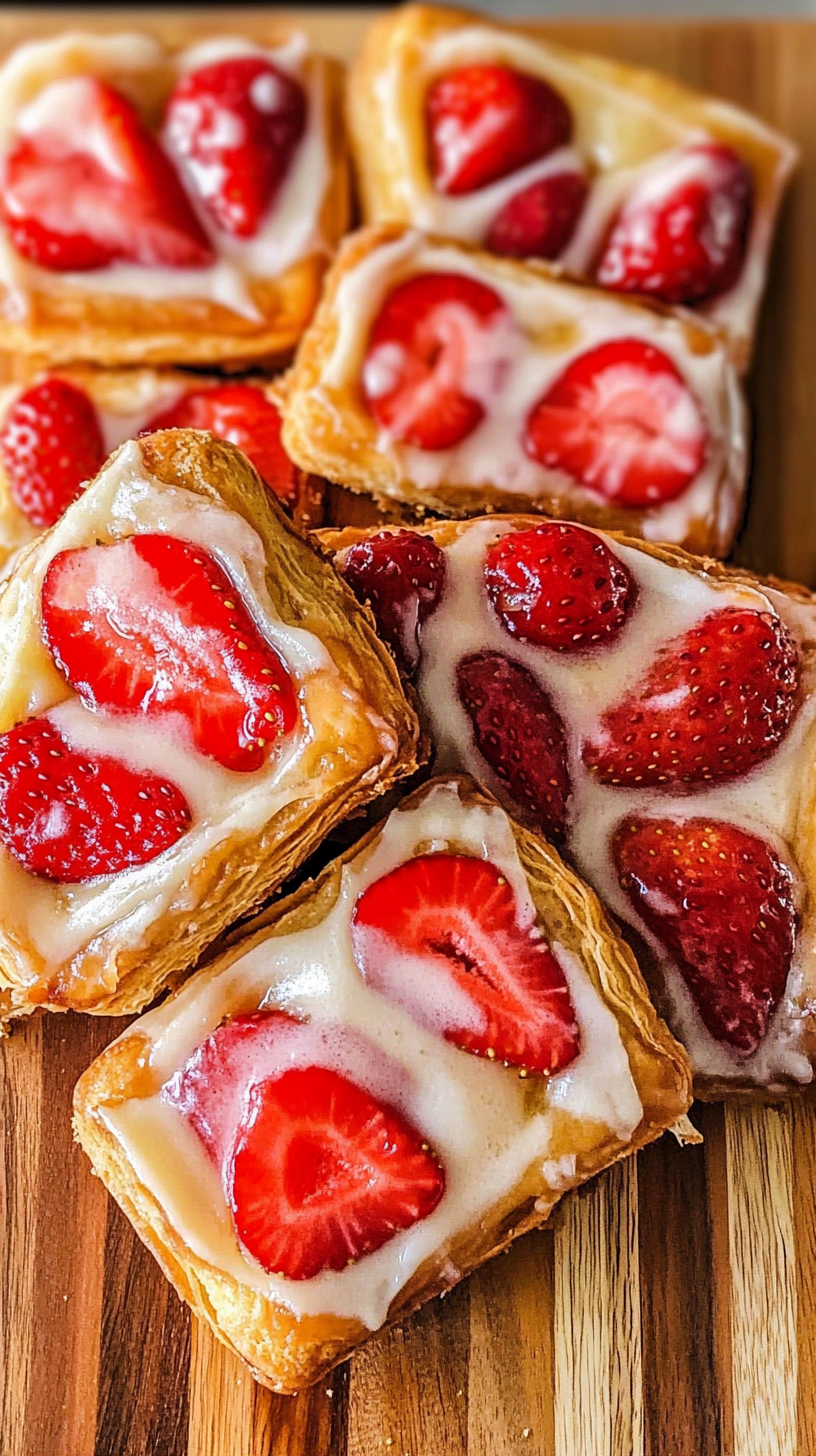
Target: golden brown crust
<point>286,1353</point>
<point>365,738</point>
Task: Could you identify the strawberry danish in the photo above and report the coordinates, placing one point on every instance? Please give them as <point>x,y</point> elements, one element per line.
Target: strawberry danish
<point>190,699</point>
<point>166,206</point>
<point>656,716</point>
<point>454,380</point>
<point>479,132</point>
<point>383,1081</point>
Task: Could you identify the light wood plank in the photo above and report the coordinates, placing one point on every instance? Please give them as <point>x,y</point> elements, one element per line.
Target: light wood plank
<point>21,1103</point>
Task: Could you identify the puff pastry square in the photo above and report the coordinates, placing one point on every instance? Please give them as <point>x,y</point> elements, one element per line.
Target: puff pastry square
<point>356,397</point>
<point>674,751</point>
<point>508,1144</point>
<point>627,133</point>
<point>253,298</point>
<point>110,942</point>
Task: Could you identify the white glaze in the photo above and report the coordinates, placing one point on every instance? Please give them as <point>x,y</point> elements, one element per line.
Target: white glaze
<point>487,1125</point>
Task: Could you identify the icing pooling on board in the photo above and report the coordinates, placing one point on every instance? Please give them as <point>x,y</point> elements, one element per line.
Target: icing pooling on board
<point>487,1125</point>
<point>142,69</point>
<point>764,802</point>
<point>550,324</point>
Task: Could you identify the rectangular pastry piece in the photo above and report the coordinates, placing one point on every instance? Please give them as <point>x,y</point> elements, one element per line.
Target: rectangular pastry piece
<point>482,132</point>
<point>454,380</point>
<point>190,700</point>
<point>654,713</point>
<point>58,427</point>
<point>380,1084</point>
<point>166,205</point>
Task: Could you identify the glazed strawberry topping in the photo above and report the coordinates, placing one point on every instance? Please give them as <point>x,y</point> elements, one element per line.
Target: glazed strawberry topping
<point>440,936</point>
<point>86,185</point>
<point>559,586</point>
<point>623,423</point>
<point>539,221</point>
<point>233,127</point>
<point>50,444</point>
<point>520,735</point>
<point>715,703</point>
<point>486,121</point>
<point>401,574</point>
<point>426,353</point>
<point>721,902</point>
<point>154,625</point>
<point>71,816</point>
<point>242,414</point>
<point>682,233</point>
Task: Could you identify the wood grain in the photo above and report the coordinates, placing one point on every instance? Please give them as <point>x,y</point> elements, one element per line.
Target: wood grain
<point>672,1309</point>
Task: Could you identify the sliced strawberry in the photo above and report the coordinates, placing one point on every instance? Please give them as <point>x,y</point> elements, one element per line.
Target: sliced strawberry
<point>51,444</point>
<point>681,234</point>
<point>539,221</point>
<point>244,415</point>
<point>154,625</point>
<point>440,936</point>
<point>486,121</point>
<point>520,735</point>
<point>716,702</point>
<point>559,586</point>
<point>623,423</point>
<point>85,185</point>
<point>401,574</point>
<point>721,902</point>
<point>431,332</point>
<point>233,128</point>
<point>71,816</point>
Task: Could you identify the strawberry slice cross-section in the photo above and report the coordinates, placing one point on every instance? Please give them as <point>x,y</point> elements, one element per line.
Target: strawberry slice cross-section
<point>51,443</point>
<point>242,414</point>
<point>485,121</point>
<point>539,221</point>
<point>401,574</point>
<point>153,625</point>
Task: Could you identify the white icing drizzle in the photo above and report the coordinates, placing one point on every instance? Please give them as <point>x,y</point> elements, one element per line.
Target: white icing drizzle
<point>486,1124</point>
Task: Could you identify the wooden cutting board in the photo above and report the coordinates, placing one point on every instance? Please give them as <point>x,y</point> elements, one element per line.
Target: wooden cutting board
<point>671,1309</point>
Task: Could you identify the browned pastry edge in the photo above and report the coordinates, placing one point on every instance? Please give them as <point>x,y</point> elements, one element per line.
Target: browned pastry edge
<point>287,1353</point>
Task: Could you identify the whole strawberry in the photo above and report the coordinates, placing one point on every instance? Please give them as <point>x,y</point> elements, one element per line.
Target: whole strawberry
<point>51,444</point>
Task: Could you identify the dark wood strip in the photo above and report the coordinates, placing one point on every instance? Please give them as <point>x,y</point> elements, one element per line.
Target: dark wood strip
<point>20,1196</point>
<point>710,1119</point>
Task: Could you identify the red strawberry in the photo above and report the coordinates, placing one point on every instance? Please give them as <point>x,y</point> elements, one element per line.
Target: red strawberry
<point>72,816</point>
<point>721,902</point>
<point>539,221</point>
<point>50,443</point>
<point>402,575</point>
<point>440,936</point>
<point>430,330</point>
<point>486,121</point>
<point>681,235</point>
<point>242,414</point>
<point>714,704</point>
<point>623,423</point>
<point>154,625</point>
<point>520,735</point>
<point>85,185</point>
<point>233,127</point>
<point>324,1174</point>
<point>559,586</point>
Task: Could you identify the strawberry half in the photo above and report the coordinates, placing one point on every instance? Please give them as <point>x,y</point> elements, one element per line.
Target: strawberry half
<point>520,735</point>
<point>233,128</point>
<point>715,703</point>
<point>559,586</point>
<point>72,816</point>
<point>682,233</point>
<point>487,121</point>
<point>539,221</point>
<point>401,574</point>
<point>242,414</point>
<point>154,625</point>
<point>440,936</point>
<point>430,333</point>
<point>51,444</point>
<point>85,185</point>
<point>721,902</point>
<point>623,423</point>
